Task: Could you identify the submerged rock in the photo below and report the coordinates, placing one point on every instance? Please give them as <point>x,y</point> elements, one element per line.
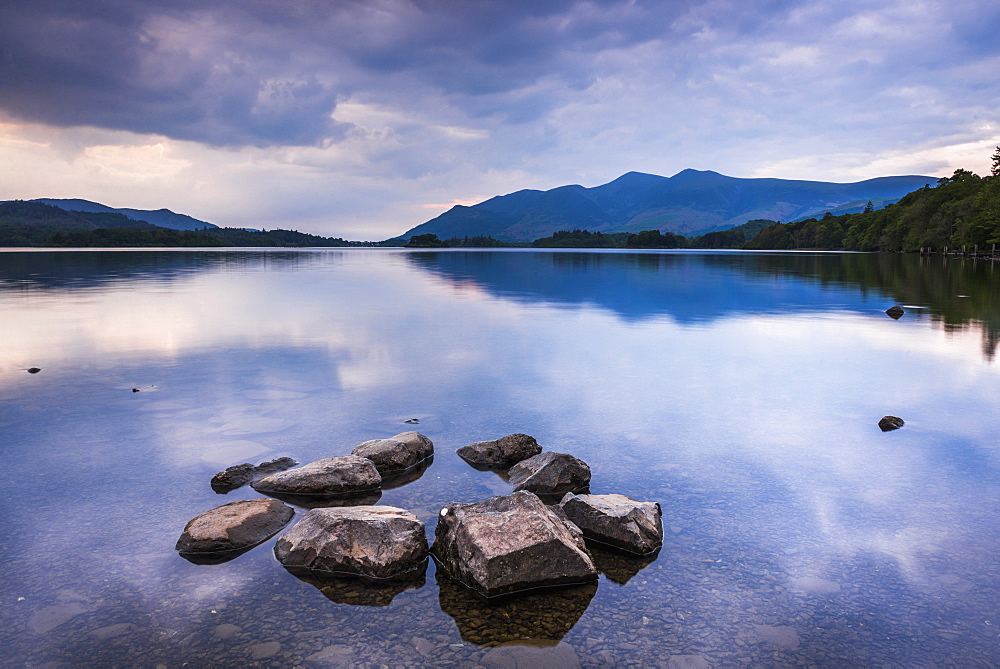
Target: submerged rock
<point>889,423</point>
<point>895,312</point>
<point>616,520</point>
<point>525,653</point>
<point>373,541</point>
<point>550,474</point>
<point>508,544</point>
<point>236,526</point>
<point>340,475</point>
<point>502,452</point>
<point>405,450</point>
<point>234,477</point>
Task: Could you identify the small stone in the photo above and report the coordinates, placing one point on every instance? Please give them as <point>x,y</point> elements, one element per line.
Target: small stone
<point>895,312</point>
<point>262,651</point>
<point>34,370</point>
<point>890,423</point>
<point>816,586</point>
<point>225,631</point>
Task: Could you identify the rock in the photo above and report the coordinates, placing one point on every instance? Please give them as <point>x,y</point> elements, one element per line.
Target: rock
<point>812,585</point>
<point>551,474</point>
<point>233,478</point>
<point>226,630</point>
<point>531,653</point>
<point>405,450</point>
<point>235,526</point>
<point>340,475</point>
<point>895,311</point>
<point>238,476</point>
<point>34,370</point>
<point>372,541</point>
<point>781,637</point>
<point>687,662</point>
<point>890,423</point>
<point>502,452</point>
<point>508,544</point>
<point>262,651</point>
<point>616,520</point>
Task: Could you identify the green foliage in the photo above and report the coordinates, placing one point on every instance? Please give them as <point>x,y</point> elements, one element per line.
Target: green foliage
<point>283,238</point>
<point>963,210</point>
<point>426,241</point>
<point>581,239</point>
<point>478,242</point>
<point>106,237</point>
<point>654,239</point>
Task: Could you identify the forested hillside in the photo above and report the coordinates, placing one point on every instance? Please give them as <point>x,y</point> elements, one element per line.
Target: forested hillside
<point>963,210</point>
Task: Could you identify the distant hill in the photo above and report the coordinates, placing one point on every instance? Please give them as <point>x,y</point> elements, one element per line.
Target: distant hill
<point>163,218</point>
<point>691,203</point>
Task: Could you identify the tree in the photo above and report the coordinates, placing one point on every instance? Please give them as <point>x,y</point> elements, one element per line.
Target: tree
<point>869,208</point>
<point>995,170</point>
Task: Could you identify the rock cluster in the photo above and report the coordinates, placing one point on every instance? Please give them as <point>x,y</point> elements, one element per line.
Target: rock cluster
<point>503,545</point>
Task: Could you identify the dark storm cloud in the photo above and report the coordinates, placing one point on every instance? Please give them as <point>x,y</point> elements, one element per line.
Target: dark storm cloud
<point>260,73</point>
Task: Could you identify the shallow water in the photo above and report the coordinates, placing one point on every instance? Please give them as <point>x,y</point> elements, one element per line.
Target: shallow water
<point>741,391</point>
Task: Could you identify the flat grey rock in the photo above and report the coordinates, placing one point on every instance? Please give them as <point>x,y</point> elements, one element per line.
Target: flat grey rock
<point>402,451</point>
<point>343,474</point>
<point>234,527</point>
<point>372,541</point>
<point>502,452</point>
<point>508,544</point>
<point>550,474</point>
<point>616,520</point>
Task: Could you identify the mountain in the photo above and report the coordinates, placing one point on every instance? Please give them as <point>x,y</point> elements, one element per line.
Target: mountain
<point>163,218</point>
<point>691,202</point>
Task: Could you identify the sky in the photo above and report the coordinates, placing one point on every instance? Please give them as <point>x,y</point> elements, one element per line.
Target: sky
<point>363,118</point>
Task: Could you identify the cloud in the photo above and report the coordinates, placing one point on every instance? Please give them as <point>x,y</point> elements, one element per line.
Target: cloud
<point>350,116</point>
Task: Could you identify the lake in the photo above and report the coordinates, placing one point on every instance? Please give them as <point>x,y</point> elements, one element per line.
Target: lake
<point>741,391</point>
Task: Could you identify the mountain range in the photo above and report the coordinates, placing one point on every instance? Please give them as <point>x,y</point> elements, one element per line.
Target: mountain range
<point>162,218</point>
<point>692,202</point>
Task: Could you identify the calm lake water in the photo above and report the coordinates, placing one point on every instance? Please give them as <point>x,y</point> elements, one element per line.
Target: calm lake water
<point>741,391</point>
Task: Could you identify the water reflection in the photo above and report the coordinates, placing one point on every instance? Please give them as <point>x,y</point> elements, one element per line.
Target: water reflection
<point>798,533</point>
<point>360,591</point>
<point>548,613</point>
